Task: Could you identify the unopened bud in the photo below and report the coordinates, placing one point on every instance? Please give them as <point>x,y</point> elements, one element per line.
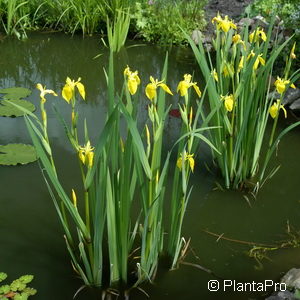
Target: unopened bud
<point>74,198</point>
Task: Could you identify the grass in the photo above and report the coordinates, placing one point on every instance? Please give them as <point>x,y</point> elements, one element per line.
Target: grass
<point>12,17</point>
<point>157,22</point>
<point>71,16</point>
<point>117,31</point>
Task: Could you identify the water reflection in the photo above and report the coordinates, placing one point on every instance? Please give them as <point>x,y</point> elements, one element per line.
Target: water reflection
<point>50,58</point>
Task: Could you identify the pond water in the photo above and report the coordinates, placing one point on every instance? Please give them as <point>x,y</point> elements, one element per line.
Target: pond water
<point>31,238</point>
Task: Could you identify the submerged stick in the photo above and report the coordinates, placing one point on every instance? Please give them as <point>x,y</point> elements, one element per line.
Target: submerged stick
<point>221,236</point>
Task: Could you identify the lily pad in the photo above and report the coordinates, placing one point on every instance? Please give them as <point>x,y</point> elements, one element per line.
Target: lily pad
<point>13,154</point>
<point>9,110</point>
<point>15,93</point>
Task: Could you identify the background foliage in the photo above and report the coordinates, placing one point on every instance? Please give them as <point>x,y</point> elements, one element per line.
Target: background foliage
<point>153,20</point>
<point>287,10</point>
<point>157,21</point>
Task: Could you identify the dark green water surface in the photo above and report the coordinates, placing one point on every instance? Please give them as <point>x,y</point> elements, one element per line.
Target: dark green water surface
<point>31,238</point>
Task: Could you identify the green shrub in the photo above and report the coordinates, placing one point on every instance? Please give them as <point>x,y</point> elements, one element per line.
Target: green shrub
<point>284,8</point>
<point>287,10</point>
<point>157,21</point>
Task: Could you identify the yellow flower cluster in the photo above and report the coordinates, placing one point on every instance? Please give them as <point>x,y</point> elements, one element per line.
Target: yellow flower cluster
<point>256,35</point>
<point>258,60</point>
<point>133,81</point>
<point>281,85</point>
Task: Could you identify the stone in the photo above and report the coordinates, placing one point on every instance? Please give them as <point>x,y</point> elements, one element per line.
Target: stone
<point>295,105</point>
<point>282,295</point>
<point>207,39</point>
<point>245,21</point>
<point>261,21</point>
<point>292,277</point>
<point>197,36</point>
<point>291,96</point>
<point>208,47</point>
<point>278,21</point>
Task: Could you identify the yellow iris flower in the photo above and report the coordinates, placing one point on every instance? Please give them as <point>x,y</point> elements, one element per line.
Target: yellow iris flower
<point>223,24</point>
<point>44,92</point>
<point>133,80</point>
<point>250,55</point>
<point>257,34</point>
<point>186,157</point>
<point>281,85</point>
<point>228,102</point>
<point>258,60</point>
<point>236,39</point>
<point>185,84</point>
<point>152,87</point>
<point>69,89</point>
<point>275,108</point>
<point>86,154</point>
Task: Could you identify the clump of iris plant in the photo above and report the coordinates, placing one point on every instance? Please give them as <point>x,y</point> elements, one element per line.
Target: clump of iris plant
<point>239,87</point>
<point>118,172</point>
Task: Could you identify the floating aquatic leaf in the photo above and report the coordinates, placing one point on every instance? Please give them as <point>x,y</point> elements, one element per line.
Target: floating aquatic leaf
<point>17,285</point>
<point>18,289</point>
<point>15,93</point>
<point>30,291</point>
<point>3,276</point>
<point>13,154</point>
<point>4,289</point>
<point>9,110</point>
<point>20,297</point>
<point>26,278</point>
